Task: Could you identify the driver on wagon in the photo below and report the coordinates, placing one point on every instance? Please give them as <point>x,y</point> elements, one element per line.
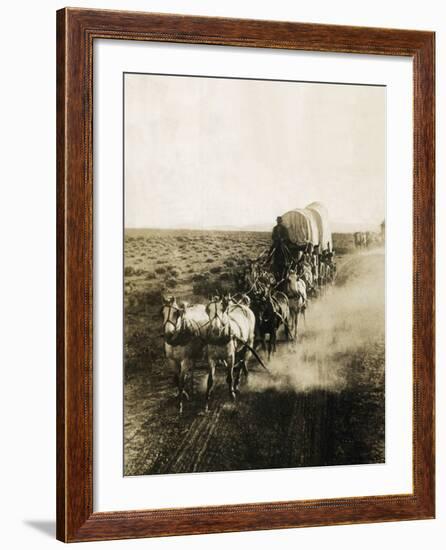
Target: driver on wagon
<point>280,233</point>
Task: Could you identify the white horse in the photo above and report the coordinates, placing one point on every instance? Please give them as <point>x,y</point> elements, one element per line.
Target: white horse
<point>323,276</point>
<point>308,278</point>
<point>230,340</point>
<point>296,291</point>
<point>184,328</point>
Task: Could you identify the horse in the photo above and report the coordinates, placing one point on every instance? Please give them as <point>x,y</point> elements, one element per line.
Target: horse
<point>230,339</point>
<point>271,311</point>
<point>305,272</point>
<point>184,342</point>
<point>296,290</point>
<point>280,259</point>
<point>331,272</point>
<point>257,279</point>
<point>323,275</point>
<point>251,275</point>
<point>361,239</point>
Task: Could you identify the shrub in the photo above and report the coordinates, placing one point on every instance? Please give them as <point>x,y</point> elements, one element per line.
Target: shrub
<point>203,286</point>
<point>153,297</point>
<point>128,271</point>
<point>160,270</point>
<point>139,301</point>
<point>171,282</point>
<point>215,269</point>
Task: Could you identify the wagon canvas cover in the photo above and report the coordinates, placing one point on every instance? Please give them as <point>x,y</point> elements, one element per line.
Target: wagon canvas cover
<point>320,213</point>
<point>309,224</point>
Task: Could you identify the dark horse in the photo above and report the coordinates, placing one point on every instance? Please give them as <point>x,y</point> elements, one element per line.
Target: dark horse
<point>280,260</point>
<point>271,310</point>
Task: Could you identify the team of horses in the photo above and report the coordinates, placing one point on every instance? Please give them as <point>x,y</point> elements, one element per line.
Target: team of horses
<point>229,329</point>
<point>224,328</point>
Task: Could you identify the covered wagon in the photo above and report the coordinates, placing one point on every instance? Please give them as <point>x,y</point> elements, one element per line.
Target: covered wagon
<point>309,225</point>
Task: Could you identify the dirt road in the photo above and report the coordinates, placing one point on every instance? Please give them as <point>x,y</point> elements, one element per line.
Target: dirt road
<point>323,403</point>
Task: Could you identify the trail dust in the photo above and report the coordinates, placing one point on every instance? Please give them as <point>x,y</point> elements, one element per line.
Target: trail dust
<point>342,326</point>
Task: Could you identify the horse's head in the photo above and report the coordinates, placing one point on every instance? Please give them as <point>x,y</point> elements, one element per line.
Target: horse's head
<point>226,301</point>
<point>262,308</point>
<point>170,312</point>
<point>245,300</point>
<point>218,318</point>
<point>292,276</point>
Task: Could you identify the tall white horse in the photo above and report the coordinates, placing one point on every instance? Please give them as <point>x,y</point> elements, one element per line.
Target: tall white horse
<point>184,329</point>
<point>296,290</point>
<point>230,340</point>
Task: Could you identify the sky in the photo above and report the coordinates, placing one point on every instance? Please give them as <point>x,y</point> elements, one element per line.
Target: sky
<point>210,152</point>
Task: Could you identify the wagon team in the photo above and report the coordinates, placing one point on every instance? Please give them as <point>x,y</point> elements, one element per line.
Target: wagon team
<point>274,293</point>
<point>284,253</point>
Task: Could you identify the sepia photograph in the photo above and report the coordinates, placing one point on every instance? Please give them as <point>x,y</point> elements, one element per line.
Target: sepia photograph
<point>254,274</point>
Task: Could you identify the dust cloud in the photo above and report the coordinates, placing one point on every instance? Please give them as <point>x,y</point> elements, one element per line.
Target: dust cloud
<point>341,344</point>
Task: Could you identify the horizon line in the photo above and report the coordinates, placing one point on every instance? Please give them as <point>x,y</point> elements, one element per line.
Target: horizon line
<point>247,229</point>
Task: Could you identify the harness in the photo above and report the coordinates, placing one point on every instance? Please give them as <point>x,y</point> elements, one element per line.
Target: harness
<point>217,315</point>
<point>231,335</point>
<point>168,320</point>
<point>276,307</point>
<point>224,324</point>
<point>227,324</point>
<point>179,336</point>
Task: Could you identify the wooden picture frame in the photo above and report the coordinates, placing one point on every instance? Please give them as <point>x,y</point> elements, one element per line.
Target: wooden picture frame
<point>76,31</point>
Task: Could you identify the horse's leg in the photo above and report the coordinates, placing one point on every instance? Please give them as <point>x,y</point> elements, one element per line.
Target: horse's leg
<point>192,380</point>
<point>245,368</point>
<point>287,331</point>
<point>237,374</point>
<point>272,341</point>
<point>210,384</point>
<point>174,369</point>
<point>182,376</point>
<point>230,377</point>
<point>263,340</point>
<point>245,359</point>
